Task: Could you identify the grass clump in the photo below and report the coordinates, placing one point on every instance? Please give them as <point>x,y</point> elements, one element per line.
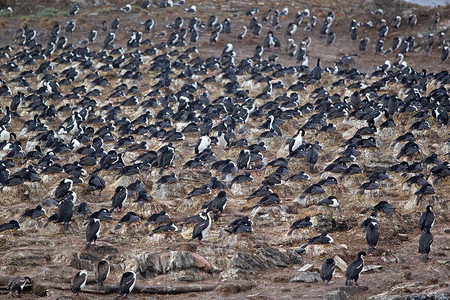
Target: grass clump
<point>105,10</point>
<point>49,12</point>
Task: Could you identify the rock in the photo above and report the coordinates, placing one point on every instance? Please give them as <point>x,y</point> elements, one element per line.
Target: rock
<point>307,277</point>
<point>322,222</point>
<point>340,263</point>
<point>154,264</point>
<point>305,268</point>
<point>352,290</point>
<point>371,268</point>
<point>307,200</point>
<point>335,295</point>
<point>384,296</point>
<point>190,275</point>
<point>402,237</point>
<point>242,189</point>
<point>377,162</point>
<point>273,257</point>
<point>320,249</point>
<point>235,288</point>
<point>294,258</point>
<point>39,289</point>
<point>268,216</point>
<point>266,258</point>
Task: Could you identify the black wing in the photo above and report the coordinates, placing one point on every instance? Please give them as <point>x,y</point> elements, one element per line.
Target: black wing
<point>198,229</point>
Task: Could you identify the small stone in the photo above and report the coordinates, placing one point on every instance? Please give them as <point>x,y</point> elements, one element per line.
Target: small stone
<point>340,263</point>
<point>447,230</point>
<point>307,277</point>
<point>351,290</point>
<point>39,290</point>
<point>335,295</point>
<point>407,276</point>
<point>305,268</point>
<point>402,237</point>
<point>370,268</point>
<point>294,257</point>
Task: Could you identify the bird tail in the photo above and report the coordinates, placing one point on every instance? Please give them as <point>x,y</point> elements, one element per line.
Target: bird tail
<point>87,246</point>
<point>99,286</point>
<point>419,197</point>
<point>290,232</point>
<point>424,257</point>
<point>66,226</point>
<point>112,210</point>
<point>21,219</point>
<point>46,224</point>
<point>326,282</point>
<point>118,226</point>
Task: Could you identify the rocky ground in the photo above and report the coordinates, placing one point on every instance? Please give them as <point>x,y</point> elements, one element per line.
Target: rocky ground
<point>262,264</point>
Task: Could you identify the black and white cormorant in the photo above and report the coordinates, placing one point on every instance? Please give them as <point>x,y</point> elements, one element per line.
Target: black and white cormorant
<point>102,272</point>
<point>126,284</point>
<point>372,235</point>
<point>303,223</point>
<point>92,232</point>
<point>119,198</point>
<point>217,205</point>
<point>201,229</point>
<point>327,270</point>
<point>78,282</point>
<point>324,238</point>
<point>331,201</point>
<point>426,220</point>
<point>17,284</point>
<point>168,227</point>
<point>243,160</point>
<point>32,213</point>
<point>63,187</point>
<point>65,212</point>
<point>130,217</point>
<point>96,183</point>
<point>354,269</point>
<point>425,241</point>
<point>11,225</point>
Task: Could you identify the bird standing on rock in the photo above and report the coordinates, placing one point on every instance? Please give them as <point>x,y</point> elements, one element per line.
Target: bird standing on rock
<point>17,284</point>
<point>126,284</point>
<point>303,223</point>
<point>102,272</point>
<point>78,282</point>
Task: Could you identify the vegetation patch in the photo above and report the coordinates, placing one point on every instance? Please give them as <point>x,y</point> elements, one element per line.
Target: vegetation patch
<point>49,12</point>
<point>105,10</point>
